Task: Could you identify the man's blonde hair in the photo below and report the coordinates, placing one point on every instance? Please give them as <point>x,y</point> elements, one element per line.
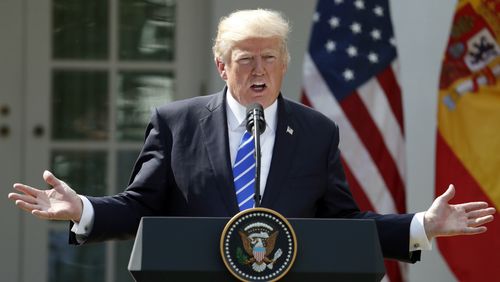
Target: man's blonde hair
<point>245,24</point>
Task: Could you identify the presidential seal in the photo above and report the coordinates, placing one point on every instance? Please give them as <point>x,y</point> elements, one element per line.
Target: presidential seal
<point>258,244</point>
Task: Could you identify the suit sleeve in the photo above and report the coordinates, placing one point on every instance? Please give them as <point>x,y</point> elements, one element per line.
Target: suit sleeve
<point>393,229</point>
<point>118,217</point>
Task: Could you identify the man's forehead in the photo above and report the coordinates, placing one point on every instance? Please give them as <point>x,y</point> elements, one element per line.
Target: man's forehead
<point>257,45</point>
<point>239,50</point>
<point>268,42</point>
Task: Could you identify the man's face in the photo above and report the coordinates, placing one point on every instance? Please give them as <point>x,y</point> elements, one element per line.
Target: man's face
<point>255,71</point>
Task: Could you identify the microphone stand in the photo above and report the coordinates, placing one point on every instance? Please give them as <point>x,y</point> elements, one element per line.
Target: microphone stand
<point>256,134</point>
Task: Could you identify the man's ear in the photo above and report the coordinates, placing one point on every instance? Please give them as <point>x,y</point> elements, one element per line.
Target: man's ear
<point>221,67</point>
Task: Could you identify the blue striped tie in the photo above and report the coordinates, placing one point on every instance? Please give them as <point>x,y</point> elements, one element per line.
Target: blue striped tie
<point>244,172</point>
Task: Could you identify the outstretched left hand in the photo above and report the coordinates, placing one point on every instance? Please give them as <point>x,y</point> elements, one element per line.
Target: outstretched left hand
<point>445,219</point>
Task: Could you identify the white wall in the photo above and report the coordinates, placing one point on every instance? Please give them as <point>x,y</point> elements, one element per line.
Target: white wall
<point>421,29</point>
<point>11,87</point>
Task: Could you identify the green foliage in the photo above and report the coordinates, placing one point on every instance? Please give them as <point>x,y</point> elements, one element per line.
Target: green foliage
<point>240,256</point>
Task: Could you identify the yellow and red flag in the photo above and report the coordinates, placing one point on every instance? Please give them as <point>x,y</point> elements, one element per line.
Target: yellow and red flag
<point>468,137</point>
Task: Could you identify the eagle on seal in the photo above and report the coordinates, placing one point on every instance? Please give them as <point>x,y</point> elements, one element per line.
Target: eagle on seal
<point>259,247</point>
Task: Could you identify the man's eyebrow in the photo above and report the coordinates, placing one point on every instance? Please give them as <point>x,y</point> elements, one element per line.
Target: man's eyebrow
<point>243,52</point>
<point>270,50</point>
<point>239,52</point>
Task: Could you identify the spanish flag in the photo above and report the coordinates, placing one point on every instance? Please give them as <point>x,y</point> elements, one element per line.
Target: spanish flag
<point>468,136</point>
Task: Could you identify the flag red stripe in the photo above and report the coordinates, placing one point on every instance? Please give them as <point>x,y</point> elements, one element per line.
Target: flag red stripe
<point>369,134</point>
<point>390,85</point>
<point>304,100</point>
<point>471,258</point>
<point>357,191</point>
<point>391,267</point>
<point>393,271</point>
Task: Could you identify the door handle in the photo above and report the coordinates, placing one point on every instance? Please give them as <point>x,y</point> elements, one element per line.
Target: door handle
<point>4,110</point>
<point>38,131</point>
<point>4,131</point>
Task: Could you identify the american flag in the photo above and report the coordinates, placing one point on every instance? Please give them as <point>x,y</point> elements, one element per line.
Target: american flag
<point>351,76</point>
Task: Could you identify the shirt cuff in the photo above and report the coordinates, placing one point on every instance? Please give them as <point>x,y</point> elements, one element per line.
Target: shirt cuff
<point>418,237</point>
<point>84,227</point>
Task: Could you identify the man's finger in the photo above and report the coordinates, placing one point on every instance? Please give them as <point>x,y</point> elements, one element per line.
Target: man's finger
<point>22,207</point>
<point>481,212</point>
<point>474,230</point>
<point>51,179</point>
<point>479,221</point>
<point>473,206</point>
<point>26,206</point>
<point>13,196</point>
<point>27,189</point>
<point>23,197</point>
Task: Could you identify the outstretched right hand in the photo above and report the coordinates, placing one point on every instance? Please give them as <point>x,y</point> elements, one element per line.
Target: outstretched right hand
<point>59,203</point>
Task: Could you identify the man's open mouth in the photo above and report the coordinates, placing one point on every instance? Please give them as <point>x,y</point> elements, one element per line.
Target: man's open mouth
<point>258,86</point>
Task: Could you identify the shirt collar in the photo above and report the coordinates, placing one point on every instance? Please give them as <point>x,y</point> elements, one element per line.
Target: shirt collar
<point>237,113</point>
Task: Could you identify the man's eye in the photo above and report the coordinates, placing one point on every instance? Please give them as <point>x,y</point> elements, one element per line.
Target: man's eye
<point>244,60</point>
<point>270,58</point>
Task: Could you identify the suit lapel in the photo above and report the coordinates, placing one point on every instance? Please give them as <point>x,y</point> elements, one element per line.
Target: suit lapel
<point>214,128</point>
<point>284,146</point>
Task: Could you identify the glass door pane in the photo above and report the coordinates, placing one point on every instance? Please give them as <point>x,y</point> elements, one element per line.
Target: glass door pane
<point>80,29</point>
<point>68,263</point>
<point>80,107</point>
<point>138,94</point>
<point>147,30</point>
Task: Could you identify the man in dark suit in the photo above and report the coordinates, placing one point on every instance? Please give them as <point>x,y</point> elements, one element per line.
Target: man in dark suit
<point>185,166</point>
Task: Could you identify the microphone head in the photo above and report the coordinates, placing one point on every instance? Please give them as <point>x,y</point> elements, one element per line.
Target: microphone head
<point>255,114</point>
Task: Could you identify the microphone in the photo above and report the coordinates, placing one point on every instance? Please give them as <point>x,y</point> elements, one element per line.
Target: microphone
<point>256,124</point>
<point>255,115</point>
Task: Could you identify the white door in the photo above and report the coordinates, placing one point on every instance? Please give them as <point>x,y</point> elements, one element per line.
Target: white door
<point>11,119</point>
<point>93,70</point>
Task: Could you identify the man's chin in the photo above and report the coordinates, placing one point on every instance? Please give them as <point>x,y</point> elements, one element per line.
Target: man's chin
<point>262,101</point>
<point>265,100</point>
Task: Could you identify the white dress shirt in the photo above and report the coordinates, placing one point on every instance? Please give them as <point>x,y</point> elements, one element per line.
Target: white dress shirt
<point>236,125</point>
<point>236,115</point>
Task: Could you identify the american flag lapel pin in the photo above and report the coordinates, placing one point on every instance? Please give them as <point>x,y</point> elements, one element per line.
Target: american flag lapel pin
<point>289,130</point>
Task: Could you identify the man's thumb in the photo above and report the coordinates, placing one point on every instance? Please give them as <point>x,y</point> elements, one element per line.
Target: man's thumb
<point>449,194</point>
<point>51,179</point>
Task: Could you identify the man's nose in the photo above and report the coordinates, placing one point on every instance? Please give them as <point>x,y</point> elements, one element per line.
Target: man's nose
<point>258,67</point>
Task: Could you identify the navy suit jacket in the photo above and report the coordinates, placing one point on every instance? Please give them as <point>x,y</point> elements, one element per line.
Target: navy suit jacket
<point>184,169</point>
